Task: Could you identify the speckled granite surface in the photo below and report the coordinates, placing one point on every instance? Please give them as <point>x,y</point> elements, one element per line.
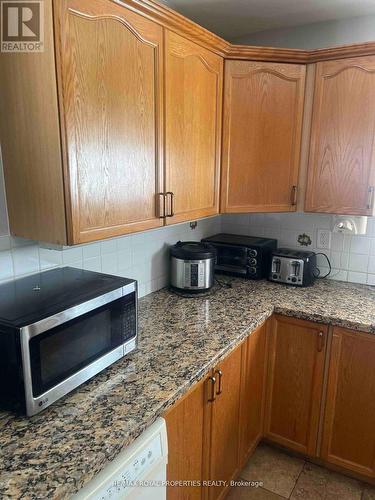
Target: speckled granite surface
<point>53,454</point>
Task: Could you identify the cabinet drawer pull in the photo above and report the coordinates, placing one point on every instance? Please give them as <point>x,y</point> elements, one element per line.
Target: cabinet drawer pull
<point>211,399</point>
<point>294,196</point>
<point>320,341</point>
<point>171,205</point>
<point>220,388</point>
<point>370,199</point>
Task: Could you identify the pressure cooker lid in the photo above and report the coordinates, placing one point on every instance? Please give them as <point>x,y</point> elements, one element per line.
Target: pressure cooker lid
<point>193,250</point>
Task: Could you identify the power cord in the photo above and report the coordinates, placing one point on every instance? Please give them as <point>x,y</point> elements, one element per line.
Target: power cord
<point>317,276</point>
<point>223,284</point>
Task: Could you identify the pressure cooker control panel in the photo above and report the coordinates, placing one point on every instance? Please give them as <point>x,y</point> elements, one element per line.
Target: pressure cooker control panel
<point>194,274</point>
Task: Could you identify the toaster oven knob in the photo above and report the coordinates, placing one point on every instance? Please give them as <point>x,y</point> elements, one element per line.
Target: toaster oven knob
<point>252,270</point>
<point>252,252</point>
<point>252,262</point>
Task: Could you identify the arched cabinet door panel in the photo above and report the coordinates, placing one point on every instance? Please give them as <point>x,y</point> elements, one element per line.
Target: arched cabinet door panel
<point>193,80</point>
<point>110,69</point>
<point>342,154</point>
<point>263,109</point>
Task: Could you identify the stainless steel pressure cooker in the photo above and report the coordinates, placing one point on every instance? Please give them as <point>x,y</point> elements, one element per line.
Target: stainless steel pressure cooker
<point>192,266</point>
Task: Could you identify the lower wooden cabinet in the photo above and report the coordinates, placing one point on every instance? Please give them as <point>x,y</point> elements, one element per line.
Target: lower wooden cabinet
<point>253,380</point>
<point>223,460</point>
<point>203,432</point>
<point>349,423</point>
<point>295,381</point>
<point>272,386</point>
<point>186,433</point>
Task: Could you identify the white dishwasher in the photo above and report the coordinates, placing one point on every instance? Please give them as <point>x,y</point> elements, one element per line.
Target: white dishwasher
<point>138,472</point>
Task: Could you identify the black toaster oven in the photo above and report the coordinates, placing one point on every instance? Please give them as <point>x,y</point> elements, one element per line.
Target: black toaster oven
<point>245,256</point>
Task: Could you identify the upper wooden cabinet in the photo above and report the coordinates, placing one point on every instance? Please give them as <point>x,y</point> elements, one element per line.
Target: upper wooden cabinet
<point>93,166</point>
<point>349,436</point>
<point>263,109</point>
<point>100,174</point>
<point>295,383</point>
<point>193,83</point>
<point>111,77</point>
<point>342,155</point>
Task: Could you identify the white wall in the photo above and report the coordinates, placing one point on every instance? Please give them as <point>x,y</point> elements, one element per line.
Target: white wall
<point>316,35</point>
<point>143,256</point>
<point>352,257</point>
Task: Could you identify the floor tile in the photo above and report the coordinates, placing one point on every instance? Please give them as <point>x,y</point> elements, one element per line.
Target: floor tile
<point>249,493</point>
<point>278,471</point>
<point>316,482</point>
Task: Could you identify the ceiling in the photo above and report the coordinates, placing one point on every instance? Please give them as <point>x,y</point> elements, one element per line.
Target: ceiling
<point>234,18</point>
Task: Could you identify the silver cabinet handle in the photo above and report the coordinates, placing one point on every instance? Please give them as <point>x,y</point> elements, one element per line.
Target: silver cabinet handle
<point>211,399</point>
<point>370,199</point>
<point>220,376</point>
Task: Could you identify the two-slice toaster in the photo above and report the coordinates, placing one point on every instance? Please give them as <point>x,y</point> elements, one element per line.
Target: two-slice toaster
<point>293,267</point>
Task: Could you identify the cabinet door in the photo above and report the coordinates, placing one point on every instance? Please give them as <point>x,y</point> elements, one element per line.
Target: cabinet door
<point>253,378</point>
<point>349,434</point>
<point>342,155</point>
<point>110,67</point>
<point>186,433</point>
<point>263,108</point>
<point>224,458</point>
<point>193,128</point>
<point>295,380</point>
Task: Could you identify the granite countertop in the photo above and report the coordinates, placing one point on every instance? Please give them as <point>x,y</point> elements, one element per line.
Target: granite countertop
<point>55,453</point>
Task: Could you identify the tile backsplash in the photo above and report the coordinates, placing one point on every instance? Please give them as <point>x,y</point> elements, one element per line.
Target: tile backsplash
<point>352,257</point>
<point>143,256</point>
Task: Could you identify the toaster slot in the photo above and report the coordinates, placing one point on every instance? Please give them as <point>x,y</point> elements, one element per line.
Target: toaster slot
<point>276,265</point>
<point>296,267</point>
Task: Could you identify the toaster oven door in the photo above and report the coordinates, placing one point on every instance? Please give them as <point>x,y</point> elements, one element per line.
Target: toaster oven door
<point>62,352</point>
<point>231,256</point>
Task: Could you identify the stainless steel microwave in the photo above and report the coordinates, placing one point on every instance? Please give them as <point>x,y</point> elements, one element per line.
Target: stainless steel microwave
<point>57,330</point>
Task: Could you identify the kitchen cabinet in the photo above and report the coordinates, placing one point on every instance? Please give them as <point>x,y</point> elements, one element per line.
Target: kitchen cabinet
<point>193,83</point>
<point>224,436</point>
<point>100,163</point>
<point>111,80</point>
<point>203,432</point>
<point>108,171</point>
<point>262,125</point>
<point>295,381</point>
<point>341,176</point>
<point>348,432</point>
<point>253,378</point>
<point>186,433</point>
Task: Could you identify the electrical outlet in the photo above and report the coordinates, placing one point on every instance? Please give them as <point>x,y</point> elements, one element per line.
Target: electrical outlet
<point>324,239</point>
